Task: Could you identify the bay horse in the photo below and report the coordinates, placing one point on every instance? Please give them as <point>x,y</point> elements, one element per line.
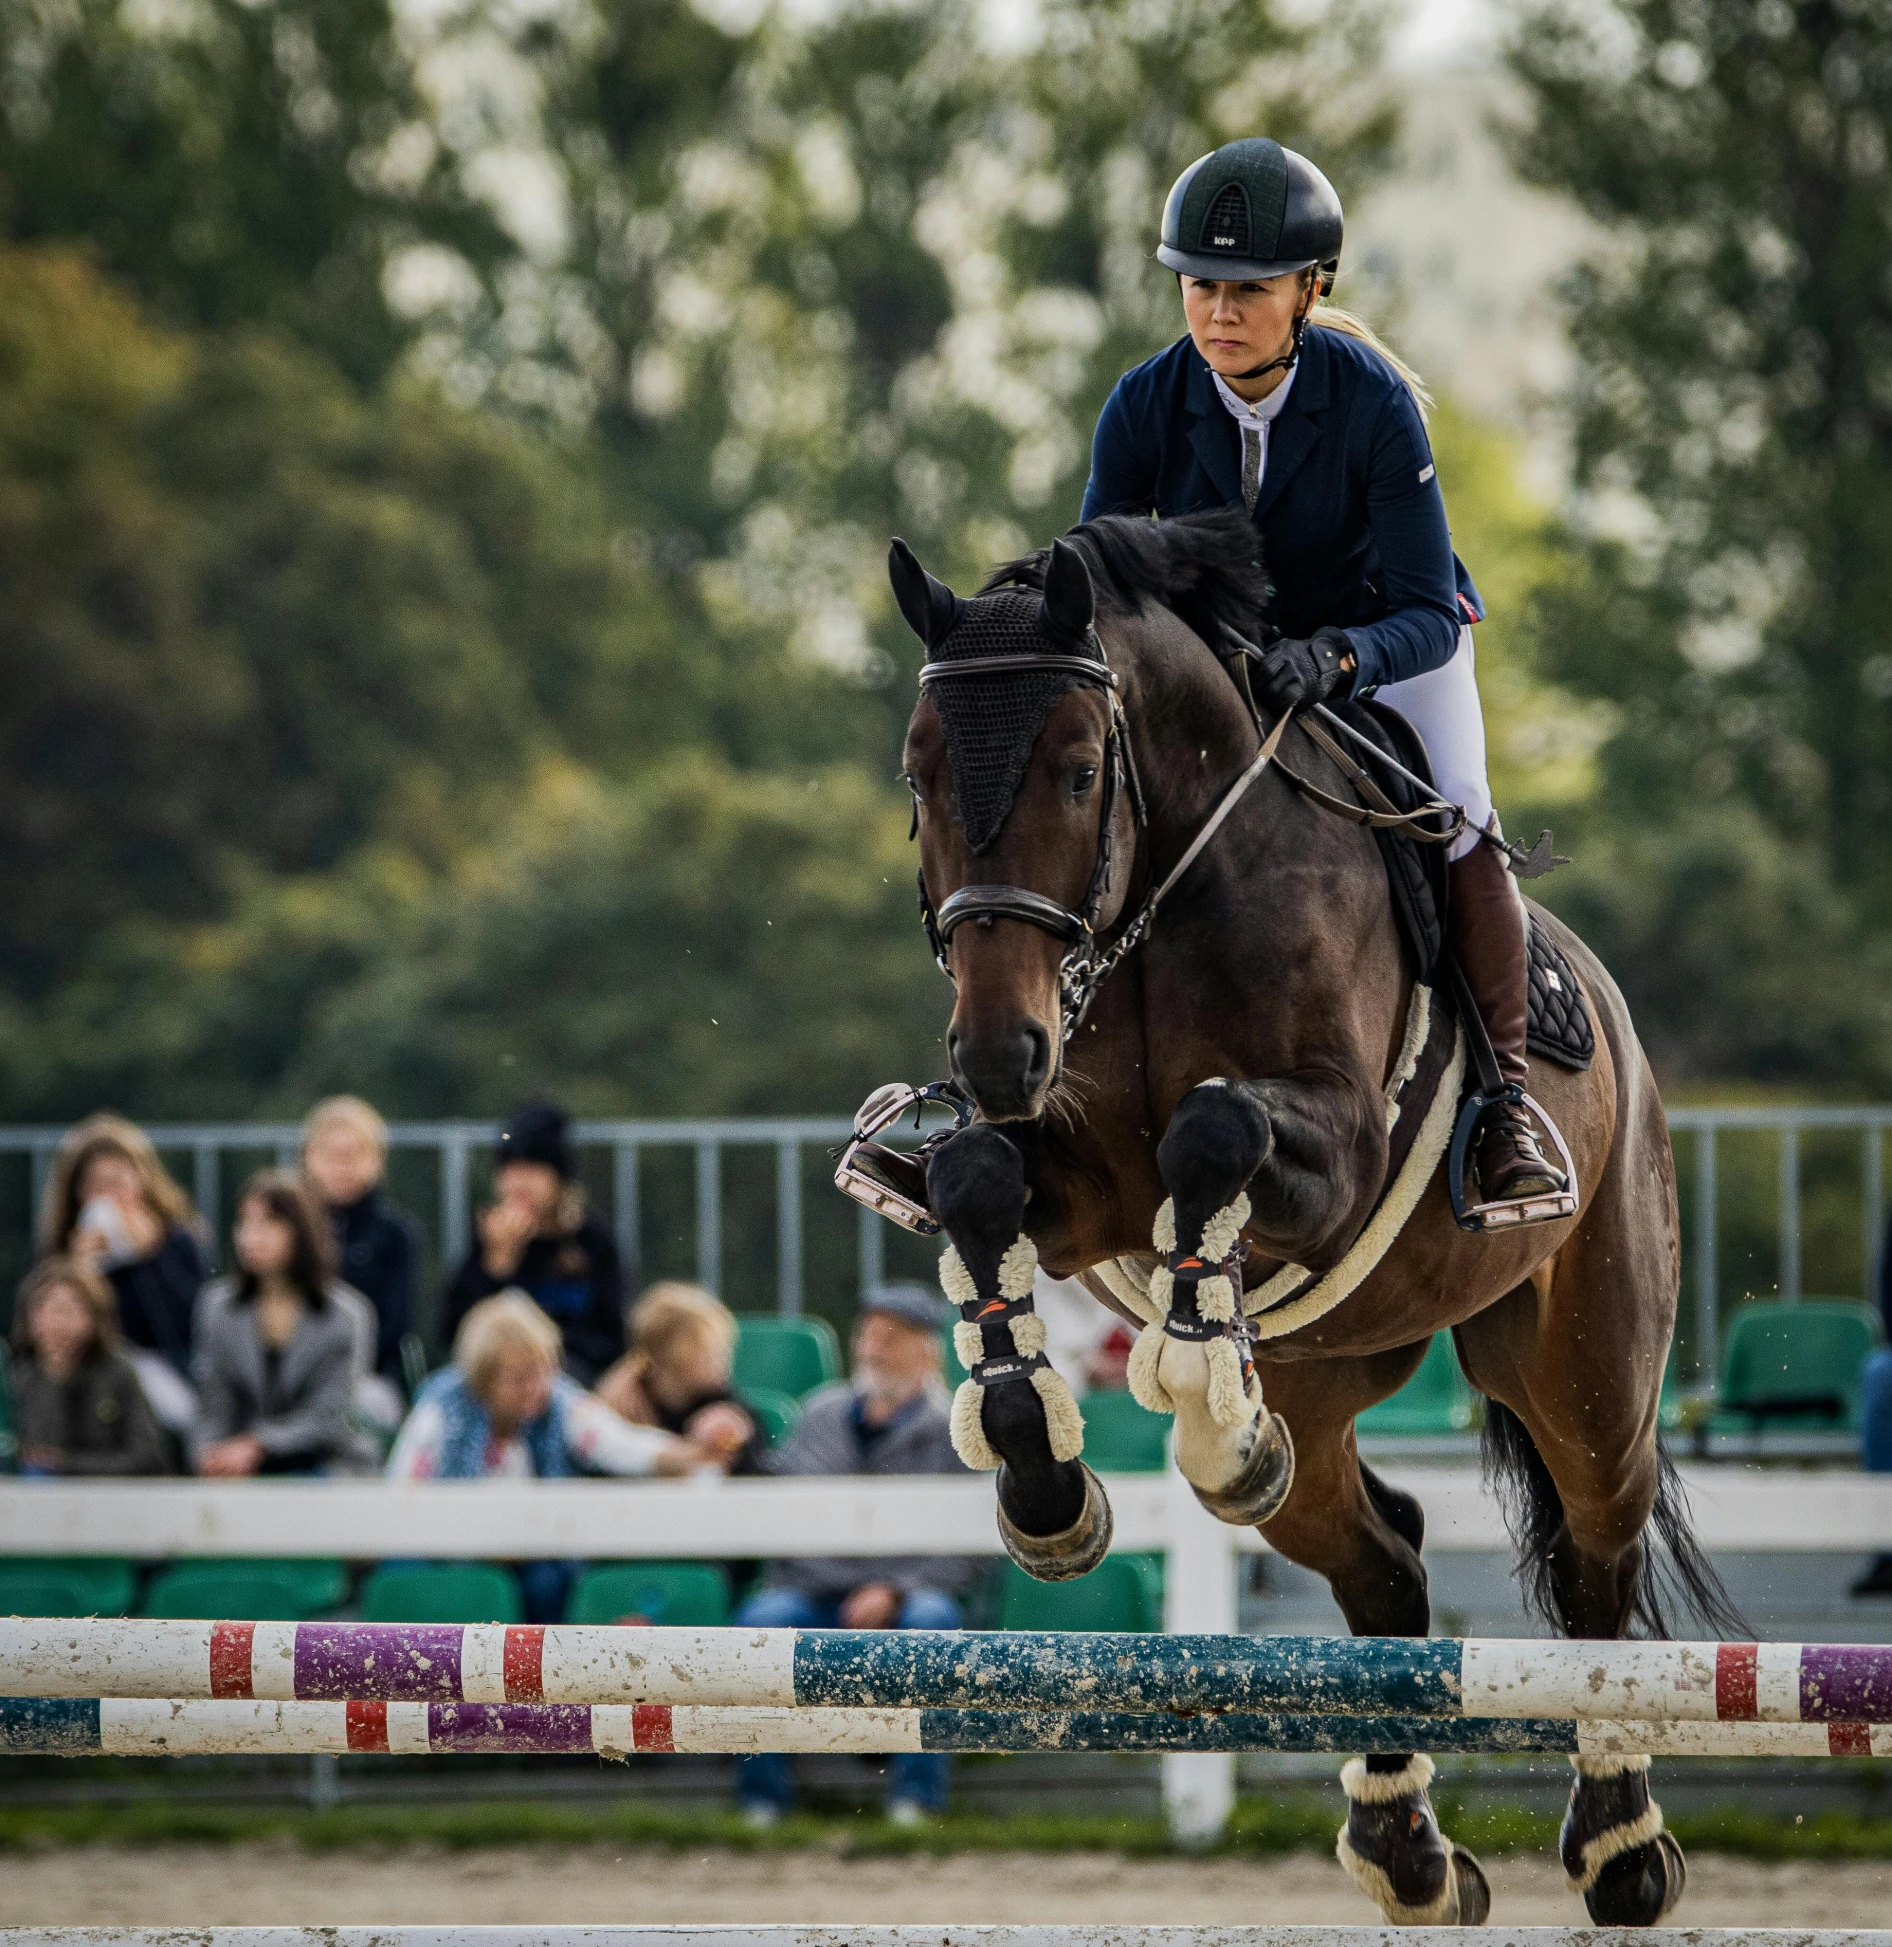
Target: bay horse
<point>1228,1089</point>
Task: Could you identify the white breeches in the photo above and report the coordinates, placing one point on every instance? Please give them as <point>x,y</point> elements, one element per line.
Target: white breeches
<point>1442,705</point>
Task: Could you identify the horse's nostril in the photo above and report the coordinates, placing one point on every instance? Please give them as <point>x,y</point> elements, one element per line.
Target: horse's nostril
<point>1037,1056</point>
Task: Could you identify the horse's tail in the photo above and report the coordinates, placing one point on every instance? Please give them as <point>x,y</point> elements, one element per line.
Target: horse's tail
<point>1675,1569</point>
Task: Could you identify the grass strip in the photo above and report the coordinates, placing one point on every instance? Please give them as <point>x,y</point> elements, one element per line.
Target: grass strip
<point>1259,1828</point>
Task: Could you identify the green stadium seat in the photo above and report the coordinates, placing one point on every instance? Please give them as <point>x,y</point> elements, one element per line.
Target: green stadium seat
<point>1123,1437</point>
<point>1434,1401</point>
<point>776,1414</point>
<point>691,1595</point>
<point>785,1355</point>
<point>287,1590</point>
<point>441,1592</point>
<point>1120,1593</point>
<point>1794,1369</point>
<point>67,1585</point>
<point>34,1589</point>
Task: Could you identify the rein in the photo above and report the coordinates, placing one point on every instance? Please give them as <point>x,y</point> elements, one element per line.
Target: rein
<point>1085,967</point>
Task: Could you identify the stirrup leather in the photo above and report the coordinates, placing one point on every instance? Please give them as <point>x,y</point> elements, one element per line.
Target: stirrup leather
<point>1539,1208</point>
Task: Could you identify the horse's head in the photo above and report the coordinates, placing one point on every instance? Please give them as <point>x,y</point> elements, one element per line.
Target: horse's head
<point>1014,777</point>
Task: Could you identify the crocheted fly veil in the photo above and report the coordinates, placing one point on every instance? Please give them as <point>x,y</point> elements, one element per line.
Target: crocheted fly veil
<point>992,720</point>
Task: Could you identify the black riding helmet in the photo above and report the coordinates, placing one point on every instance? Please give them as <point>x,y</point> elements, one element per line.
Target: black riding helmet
<point>1248,210</point>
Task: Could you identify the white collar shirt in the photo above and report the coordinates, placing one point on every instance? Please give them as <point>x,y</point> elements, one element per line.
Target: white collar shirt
<point>1254,422</point>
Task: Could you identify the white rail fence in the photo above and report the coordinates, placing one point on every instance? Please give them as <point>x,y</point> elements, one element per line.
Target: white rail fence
<point>1735,1508</point>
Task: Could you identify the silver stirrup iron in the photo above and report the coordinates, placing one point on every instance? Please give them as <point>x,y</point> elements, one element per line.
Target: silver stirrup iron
<point>854,1176</point>
<point>1546,1209</point>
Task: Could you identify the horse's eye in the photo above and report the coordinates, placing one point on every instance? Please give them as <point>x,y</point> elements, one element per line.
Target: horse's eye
<point>1082,777</point>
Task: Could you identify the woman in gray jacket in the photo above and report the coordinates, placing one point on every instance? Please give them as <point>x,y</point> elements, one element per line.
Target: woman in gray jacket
<point>276,1349</point>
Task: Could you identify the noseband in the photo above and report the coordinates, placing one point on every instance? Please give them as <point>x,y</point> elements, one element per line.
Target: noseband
<point>1080,971</point>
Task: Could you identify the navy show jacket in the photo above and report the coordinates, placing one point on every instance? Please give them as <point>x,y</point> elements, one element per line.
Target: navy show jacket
<point>1352,523</point>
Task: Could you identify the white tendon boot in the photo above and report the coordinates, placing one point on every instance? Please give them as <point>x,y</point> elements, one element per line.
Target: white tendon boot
<point>1196,1364</point>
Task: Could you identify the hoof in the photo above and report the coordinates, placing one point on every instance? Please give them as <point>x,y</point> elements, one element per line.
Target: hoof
<point>1640,1887</point>
<point>1255,1494</point>
<point>1073,1551</point>
<point>1472,1888</point>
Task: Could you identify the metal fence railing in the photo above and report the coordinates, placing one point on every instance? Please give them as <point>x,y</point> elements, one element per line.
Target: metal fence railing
<point>1774,1200</point>
<point>1707,1222</point>
<point>459,1147</point>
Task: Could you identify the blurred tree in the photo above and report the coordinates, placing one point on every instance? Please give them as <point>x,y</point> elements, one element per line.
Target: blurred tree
<point>1542,738</point>
<point>889,276</point>
<point>238,162</point>
<point>1733,445</point>
<point>702,940</point>
<point>283,665</point>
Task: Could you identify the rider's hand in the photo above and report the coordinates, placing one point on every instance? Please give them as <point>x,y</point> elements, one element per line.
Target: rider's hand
<point>1294,674</point>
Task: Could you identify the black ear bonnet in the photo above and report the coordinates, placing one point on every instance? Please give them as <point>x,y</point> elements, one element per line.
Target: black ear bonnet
<point>993,717</point>
<point>992,721</point>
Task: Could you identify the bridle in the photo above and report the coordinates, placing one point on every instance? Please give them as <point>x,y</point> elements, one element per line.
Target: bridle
<point>1078,974</point>
<point>1085,965</point>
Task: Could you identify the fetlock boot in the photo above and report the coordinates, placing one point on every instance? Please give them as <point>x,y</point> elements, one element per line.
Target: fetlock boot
<point>1395,1853</point>
<point>1615,1851</point>
<point>1487,928</point>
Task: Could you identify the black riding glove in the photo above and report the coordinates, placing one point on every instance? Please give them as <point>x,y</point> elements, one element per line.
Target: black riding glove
<point>1294,674</point>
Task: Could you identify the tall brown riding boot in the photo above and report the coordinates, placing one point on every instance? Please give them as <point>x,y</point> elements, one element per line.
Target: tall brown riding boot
<point>1487,927</point>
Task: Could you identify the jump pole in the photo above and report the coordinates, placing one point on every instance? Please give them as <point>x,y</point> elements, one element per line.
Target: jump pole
<point>1779,1683</point>
<point>70,1727</point>
<point>934,1936</point>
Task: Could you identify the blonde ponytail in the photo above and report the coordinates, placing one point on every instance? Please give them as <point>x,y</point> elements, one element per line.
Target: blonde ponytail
<point>1332,318</point>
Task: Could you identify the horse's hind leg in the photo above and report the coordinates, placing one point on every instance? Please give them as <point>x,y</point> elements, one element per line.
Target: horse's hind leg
<point>1364,1535</point>
<point>1015,1413</point>
<point>1193,1361</point>
<point>1573,1365</point>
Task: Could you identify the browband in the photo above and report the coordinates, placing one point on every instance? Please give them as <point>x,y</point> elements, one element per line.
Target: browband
<point>1086,666</point>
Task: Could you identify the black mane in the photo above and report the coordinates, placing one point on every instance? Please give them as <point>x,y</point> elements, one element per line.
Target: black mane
<point>1204,568</point>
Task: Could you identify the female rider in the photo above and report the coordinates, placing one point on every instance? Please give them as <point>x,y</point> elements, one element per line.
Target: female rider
<point>1319,435</point>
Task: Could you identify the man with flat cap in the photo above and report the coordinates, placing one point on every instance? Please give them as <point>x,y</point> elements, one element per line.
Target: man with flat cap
<point>892,1416</point>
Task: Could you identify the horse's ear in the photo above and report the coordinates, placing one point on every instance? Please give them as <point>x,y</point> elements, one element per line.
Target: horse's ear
<point>1070,604</point>
<point>931,608</point>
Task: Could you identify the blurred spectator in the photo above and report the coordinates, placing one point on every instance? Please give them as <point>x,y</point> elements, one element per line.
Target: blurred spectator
<point>503,1410</point>
<point>537,1236</point>
<point>1875,1417</point>
<point>111,1203</point>
<point>676,1374</point>
<point>1087,1342</point>
<point>890,1418</point>
<point>279,1345</point>
<point>77,1401</point>
<point>377,1244</point>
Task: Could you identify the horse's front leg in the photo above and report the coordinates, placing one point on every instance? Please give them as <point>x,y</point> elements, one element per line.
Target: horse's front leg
<point>1015,1413</point>
<point>1278,1151</point>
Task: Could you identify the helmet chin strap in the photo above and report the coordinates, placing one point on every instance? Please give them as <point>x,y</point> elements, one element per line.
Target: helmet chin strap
<point>1285,363</point>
